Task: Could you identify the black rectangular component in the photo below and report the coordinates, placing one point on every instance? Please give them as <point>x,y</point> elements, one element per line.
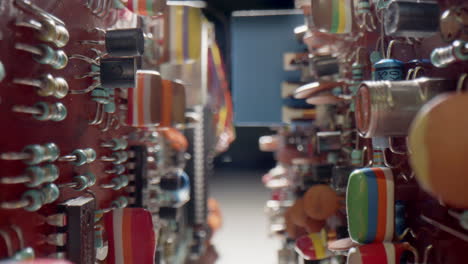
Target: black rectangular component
<point>80,229</point>
<point>140,160</point>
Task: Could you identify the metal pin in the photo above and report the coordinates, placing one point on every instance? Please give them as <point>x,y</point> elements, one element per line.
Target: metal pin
<point>47,30</point>
<point>80,182</point>
<point>19,234</point>
<point>44,111</point>
<point>85,59</point>
<point>56,239</point>
<point>44,54</point>
<point>120,202</point>
<point>427,251</point>
<point>99,116</point>
<point>27,6</point>
<point>8,243</point>
<point>116,169</point>
<point>80,156</point>
<point>34,176</point>
<point>115,144</point>
<point>445,228</point>
<point>58,220</point>
<point>118,157</point>
<point>461,217</point>
<point>406,232</point>
<point>32,200</point>
<point>34,154</point>
<point>48,85</point>
<point>101,9</point>
<point>108,122</point>
<point>117,183</point>
<point>364,12</point>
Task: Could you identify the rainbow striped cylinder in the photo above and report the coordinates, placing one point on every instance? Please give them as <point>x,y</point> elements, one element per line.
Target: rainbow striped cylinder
<point>333,16</point>
<point>131,236</point>
<point>144,109</point>
<point>146,7</point>
<point>382,253</point>
<point>370,202</point>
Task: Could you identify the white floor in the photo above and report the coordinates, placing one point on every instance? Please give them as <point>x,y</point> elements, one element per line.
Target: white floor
<point>243,238</point>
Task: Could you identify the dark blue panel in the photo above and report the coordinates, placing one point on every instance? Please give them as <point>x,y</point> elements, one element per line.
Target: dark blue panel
<point>258,45</point>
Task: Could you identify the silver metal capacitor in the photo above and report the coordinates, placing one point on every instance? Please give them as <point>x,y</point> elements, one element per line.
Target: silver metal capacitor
<point>387,108</point>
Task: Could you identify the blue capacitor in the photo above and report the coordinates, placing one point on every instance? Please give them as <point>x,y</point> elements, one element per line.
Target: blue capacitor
<point>400,223</point>
<point>388,69</point>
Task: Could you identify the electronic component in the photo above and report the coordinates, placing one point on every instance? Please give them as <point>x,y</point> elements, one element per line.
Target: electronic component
<point>47,85</point>
<point>411,19</point>
<point>44,54</point>
<point>121,42</point>
<point>79,229</point>
<point>80,157</point>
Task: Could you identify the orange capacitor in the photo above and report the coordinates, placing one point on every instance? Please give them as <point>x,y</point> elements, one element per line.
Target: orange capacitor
<point>173,104</point>
<point>176,139</point>
<point>321,202</point>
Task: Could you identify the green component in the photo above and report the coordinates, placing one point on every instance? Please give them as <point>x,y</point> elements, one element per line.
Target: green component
<point>35,199</point>
<point>356,157</point>
<point>50,193</point>
<point>363,7</point>
<point>80,157</point>
<point>375,57</point>
<point>120,157</point>
<point>36,174</point>
<point>357,206</point>
<point>98,236</point>
<point>61,112</point>
<point>24,254</point>
<point>51,173</point>
<point>109,108</point>
<point>57,59</point>
<point>91,178</point>
<point>45,111</point>
<point>100,96</point>
<point>121,202</point>
<point>52,152</point>
<point>118,4</point>
<point>82,182</point>
<point>37,154</point>
<point>84,156</point>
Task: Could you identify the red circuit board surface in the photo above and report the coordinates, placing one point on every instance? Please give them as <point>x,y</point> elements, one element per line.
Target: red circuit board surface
<point>19,130</point>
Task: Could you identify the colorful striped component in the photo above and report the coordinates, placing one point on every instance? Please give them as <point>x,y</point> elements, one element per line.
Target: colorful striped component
<point>333,16</point>
<point>382,253</point>
<point>131,236</point>
<point>185,31</point>
<point>313,246</point>
<point>146,7</point>
<point>173,104</point>
<point>144,101</point>
<point>370,205</point>
<point>342,17</point>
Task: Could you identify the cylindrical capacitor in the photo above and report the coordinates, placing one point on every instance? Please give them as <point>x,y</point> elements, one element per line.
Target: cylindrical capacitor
<point>125,42</point>
<point>444,56</point>
<point>145,7</point>
<point>388,69</point>
<point>333,16</point>
<point>117,72</point>
<point>321,66</point>
<point>385,108</point>
<point>411,19</point>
